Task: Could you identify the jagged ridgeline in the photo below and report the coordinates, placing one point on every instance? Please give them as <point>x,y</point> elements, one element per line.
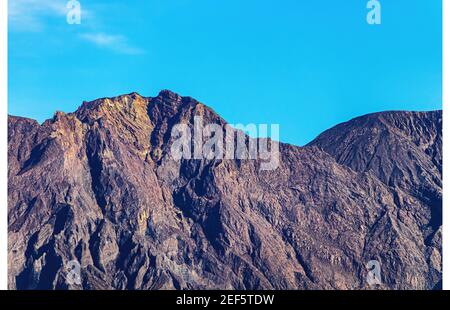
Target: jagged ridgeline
<point>99,187</point>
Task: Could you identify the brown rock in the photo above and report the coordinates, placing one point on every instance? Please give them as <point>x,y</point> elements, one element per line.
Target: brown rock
<point>99,186</point>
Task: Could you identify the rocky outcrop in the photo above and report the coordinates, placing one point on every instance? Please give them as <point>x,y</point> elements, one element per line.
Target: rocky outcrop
<point>99,186</point>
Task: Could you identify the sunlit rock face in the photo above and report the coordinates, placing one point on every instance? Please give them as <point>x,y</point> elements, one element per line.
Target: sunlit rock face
<point>100,187</point>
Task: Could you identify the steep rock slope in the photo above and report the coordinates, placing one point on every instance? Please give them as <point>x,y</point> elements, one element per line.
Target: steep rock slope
<point>99,186</point>
<point>402,149</point>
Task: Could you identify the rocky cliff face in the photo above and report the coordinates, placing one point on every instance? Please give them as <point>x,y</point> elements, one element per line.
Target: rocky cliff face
<point>99,186</point>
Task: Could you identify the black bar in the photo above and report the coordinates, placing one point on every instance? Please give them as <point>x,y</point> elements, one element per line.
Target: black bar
<point>225,299</point>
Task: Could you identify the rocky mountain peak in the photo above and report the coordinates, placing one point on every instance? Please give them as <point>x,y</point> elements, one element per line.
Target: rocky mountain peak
<point>125,106</point>
<point>97,187</point>
<point>169,95</point>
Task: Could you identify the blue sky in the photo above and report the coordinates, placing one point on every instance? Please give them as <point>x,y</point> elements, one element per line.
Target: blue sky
<point>304,64</point>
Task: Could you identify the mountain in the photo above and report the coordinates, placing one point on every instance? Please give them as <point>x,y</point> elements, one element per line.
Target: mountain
<point>99,186</point>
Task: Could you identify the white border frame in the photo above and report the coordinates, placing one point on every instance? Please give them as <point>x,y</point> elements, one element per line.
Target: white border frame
<point>446,148</point>
<point>4,145</point>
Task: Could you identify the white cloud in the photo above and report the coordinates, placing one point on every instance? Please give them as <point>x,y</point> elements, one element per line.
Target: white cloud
<point>117,43</point>
<point>17,7</point>
<point>29,15</point>
<point>32,16</point>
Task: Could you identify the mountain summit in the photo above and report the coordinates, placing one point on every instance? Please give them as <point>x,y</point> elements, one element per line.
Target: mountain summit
<point>98,187</point>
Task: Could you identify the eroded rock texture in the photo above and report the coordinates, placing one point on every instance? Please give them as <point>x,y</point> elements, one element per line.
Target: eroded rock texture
<point>99,186</point>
